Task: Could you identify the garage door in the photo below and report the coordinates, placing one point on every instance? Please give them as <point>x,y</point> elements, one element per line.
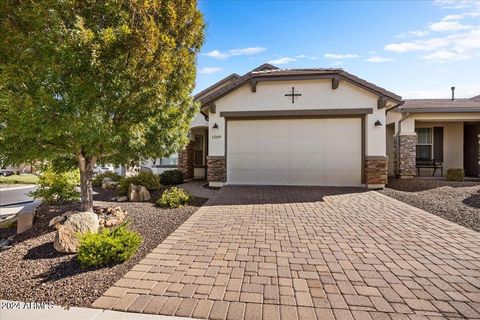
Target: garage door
<point>320,152</point>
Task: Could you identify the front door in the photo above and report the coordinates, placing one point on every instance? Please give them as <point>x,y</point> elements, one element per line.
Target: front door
<point>471,149</point>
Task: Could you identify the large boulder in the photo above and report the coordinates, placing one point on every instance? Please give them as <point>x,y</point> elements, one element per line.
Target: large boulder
<point>138,193</point>
<point>66,239</point>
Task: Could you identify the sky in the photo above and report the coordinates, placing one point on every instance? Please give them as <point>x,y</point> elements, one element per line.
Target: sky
<point>417,49</point>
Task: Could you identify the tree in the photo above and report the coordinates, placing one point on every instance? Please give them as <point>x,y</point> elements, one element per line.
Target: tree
<point>87,81</point>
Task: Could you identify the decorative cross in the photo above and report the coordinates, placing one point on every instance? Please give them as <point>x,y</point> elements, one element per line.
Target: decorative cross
<point>293,94</point>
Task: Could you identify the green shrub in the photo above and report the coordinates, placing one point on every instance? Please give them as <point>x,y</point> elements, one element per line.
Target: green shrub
<point>97,180</point>
<point>173,198</point>
<point>171,177</point>
<point>455,174</point>
<point>57,187</point>
<point>146,179</point>
<point>110,246</point>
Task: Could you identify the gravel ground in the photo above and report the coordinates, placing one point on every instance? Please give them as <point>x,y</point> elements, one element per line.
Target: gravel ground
<point>33,271</point>
<point>458,202</point>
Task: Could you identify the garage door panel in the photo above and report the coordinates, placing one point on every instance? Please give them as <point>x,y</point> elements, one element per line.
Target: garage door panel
<point>272,177</point>
<point>242,145</point>
<point>295,152</point>
<point>273,161</point>
<point>243,161</point>
<point>243,129</point>
<point>269,146</point>
<point>308,177</point>
<point>241,176</point>
<point>273,129</point>
<point>307,162</point>
<point>307,145</point>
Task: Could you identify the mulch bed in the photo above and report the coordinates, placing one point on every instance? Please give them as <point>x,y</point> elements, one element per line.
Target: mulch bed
<point>33,271</point>
<point>458,202</point>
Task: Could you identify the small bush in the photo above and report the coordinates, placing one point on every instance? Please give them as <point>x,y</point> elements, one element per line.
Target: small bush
<point>146,179</point>
<point>171,177</point>
<point>57,187</point>
<point>97,180</point>
<point>110,246</point>
<point>173,198</point>
<point>455,174</point>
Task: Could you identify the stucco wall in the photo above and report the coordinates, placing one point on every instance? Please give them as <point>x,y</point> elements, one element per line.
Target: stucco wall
<point>452,142</point>
<point>316,94</point>
<point>198,121</point>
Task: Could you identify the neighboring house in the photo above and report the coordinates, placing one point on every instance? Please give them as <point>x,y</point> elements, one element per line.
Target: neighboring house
<point>446,131</point>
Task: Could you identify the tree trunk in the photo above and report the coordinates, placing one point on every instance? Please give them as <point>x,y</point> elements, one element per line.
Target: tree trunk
<point>86,165</point>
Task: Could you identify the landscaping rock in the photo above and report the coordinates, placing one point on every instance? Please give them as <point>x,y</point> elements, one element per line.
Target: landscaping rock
<point>110,217</point>
<point>59,220</point>
<point>66,239</point>
<point>122,199</point>
<point>108,183</point>
<point>6,244</point>
<point>138,193</point>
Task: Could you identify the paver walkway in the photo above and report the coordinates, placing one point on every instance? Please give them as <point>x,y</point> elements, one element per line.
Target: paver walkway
<point>307,253</point>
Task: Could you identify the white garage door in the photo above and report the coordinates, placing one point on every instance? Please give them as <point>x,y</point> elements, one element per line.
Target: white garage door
<point>320,152</point>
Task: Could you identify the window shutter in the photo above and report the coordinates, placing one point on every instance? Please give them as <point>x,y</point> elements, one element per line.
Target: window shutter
<point>438,143</point>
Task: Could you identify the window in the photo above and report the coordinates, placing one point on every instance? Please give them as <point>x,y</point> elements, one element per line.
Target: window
<point>170,161</point>
<point>424,143</point>
<point>198,150</point>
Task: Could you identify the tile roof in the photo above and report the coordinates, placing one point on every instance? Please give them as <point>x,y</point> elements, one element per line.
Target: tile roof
<point>270,71</point>
<point>442,105</point>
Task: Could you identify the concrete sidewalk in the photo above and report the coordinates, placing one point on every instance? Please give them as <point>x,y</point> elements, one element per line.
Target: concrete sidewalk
<point>11,310</point>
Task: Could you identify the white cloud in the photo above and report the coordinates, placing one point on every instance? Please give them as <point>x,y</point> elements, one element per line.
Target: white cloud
<point>448,26</point>
<point>403,46</point>
<point>416,33</point>
<point>217,54</point>
<point>377,59</point>
<point>210,70</point>
<point>456,4</point>
<point>444,56</point>
<point>339,56</point>
<point>246,51</point>
<point>304,56</point>
<point>463,45</point>
<point>452,17</point>
<point>283,60</point>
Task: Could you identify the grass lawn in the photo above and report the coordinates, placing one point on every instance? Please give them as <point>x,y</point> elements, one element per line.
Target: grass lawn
<point>19,179</point>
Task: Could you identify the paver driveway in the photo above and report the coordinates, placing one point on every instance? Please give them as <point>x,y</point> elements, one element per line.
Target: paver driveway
<point>307,253</point>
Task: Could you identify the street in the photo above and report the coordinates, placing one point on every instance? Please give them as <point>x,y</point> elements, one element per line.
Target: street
<point>15,194</point>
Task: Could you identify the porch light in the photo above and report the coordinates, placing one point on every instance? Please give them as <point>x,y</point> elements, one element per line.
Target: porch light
<point>378,123</point>
<point>215,126</point>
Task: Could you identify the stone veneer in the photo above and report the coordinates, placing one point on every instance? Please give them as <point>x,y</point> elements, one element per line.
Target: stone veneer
<point>376,170</point>
<point>216,169</point>
<point>408,154</point>
<point>185,160</point>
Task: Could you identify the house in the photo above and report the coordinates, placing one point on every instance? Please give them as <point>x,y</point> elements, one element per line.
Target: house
<point>321,127</point>
<point>271,126</point>
<point>443,130</point>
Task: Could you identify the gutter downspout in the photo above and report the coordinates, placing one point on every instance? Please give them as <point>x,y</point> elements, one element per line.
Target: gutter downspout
<point>398,140</point>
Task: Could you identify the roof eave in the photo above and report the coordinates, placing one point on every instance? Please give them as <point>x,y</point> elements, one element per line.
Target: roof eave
<point>441,110</point>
